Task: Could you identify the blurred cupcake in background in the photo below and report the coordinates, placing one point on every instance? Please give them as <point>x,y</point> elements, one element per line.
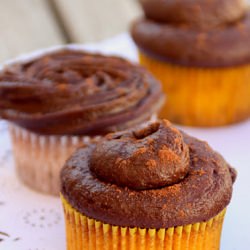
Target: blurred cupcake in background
<point>148,188</point>
<point>200,52</point>
<point>66,98</point>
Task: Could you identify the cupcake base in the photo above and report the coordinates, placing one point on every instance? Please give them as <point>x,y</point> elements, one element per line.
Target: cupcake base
<point>202,96</point>
<point>39,158</point>
<point>86,233</point>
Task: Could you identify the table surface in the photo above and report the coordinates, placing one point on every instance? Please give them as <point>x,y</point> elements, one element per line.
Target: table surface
<point>32,221</point>
<point>32,24</point>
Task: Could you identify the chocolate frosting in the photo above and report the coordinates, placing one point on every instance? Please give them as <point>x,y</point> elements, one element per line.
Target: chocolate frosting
<point>75,92</point>
<point>153,177</point>
<point>193,38</point>
<point>119,159</point>
<point>196,13</point>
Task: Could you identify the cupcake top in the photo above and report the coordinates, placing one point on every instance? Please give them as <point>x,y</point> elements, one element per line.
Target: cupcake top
<point>150,177</point>
<point>75,92</point>
<point>196,13</point>
<point>195,33</point>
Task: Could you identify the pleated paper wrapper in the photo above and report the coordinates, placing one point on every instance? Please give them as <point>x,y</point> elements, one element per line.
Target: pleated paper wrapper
<point>40,158</point>
<point>202,96</point>
<point>86,233</point>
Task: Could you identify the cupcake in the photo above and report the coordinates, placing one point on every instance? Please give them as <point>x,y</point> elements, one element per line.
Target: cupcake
<point>63,99</point>
<point>200,52</point>
<point>146,188</point>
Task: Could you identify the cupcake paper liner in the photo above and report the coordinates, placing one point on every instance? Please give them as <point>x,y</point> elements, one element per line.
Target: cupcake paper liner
<point>86,233</point>
<point>202,96</point>
<point>39,158</point>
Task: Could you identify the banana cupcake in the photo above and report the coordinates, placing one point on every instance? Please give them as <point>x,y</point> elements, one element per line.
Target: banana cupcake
<point>63,99</point>
<point>146,188</point>
<point>200,51</point>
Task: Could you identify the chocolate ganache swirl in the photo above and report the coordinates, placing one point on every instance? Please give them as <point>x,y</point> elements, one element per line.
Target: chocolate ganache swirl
<point>75,92</point>
<point>152,177</point>
<point>203,33</point>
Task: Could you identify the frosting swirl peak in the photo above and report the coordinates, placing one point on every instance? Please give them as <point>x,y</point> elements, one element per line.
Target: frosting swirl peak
<point>196,13</point>
<point>149,157</point>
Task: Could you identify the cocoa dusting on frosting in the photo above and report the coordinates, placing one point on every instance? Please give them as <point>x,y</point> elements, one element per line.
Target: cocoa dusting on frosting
<point>152,177</point>
<point>195,33</point>
<point>160,147</point>
<point>75,92</point>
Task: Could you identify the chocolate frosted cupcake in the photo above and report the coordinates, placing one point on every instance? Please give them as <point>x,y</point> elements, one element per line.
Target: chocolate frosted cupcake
<point>148,188</point>
<point>200,51</point>
<point>60,100</point>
